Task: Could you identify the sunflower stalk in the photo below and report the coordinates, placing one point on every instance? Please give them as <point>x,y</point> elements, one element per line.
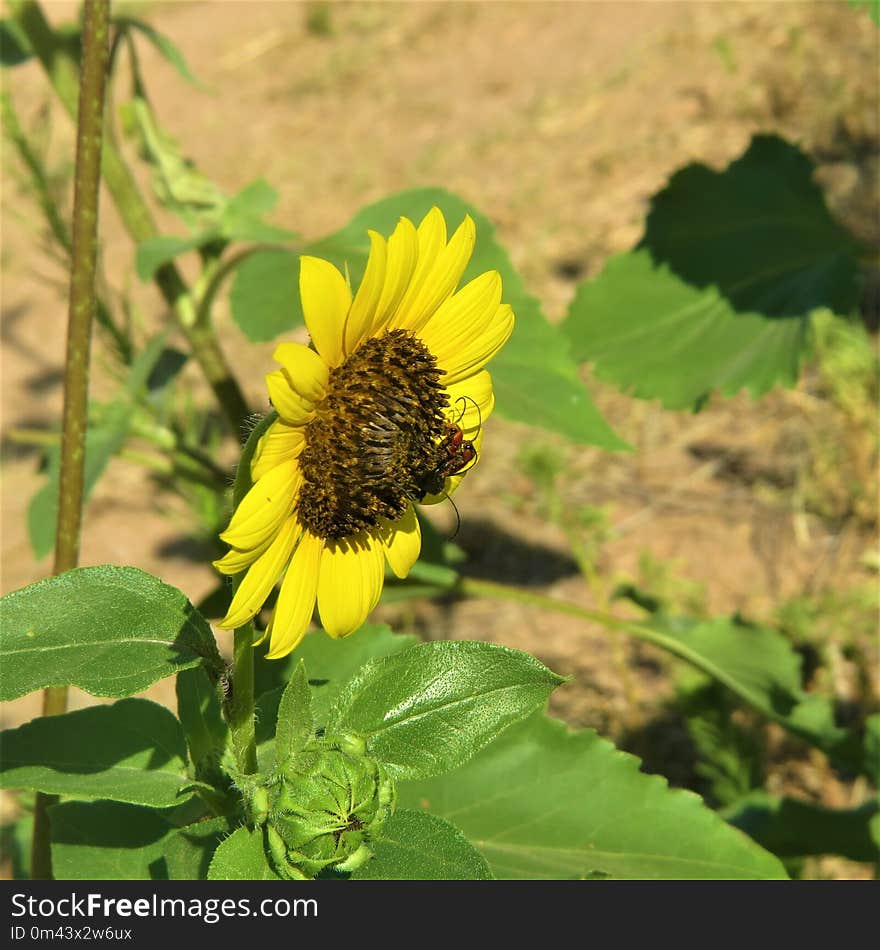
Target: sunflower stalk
<point>84,256</point>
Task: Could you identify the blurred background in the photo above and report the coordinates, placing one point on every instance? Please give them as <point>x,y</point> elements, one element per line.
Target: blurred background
<point>558,121</point>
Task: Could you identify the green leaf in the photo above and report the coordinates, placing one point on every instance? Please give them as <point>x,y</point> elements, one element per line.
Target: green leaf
<point>418,847</point>
<point>430,708</point>
<point>295,725</point>
<point>133,751</point>
<point>719,293</point>
<point>188,851</point>
<point>112,631</point>
<point>535,379</point>
<point>103,441</point>
<point>265,295</point>
<point>872,749</point>
<point>871,6</point>
<point>241,217</point>
<point>14,45</point>
<point>107,841</point>
<point>760,666</point>
<point>544,802</point>
<point>649,332</point>
<point>241,857</point>
<point>168,50</point>
<point>156,251</point>
<point>794,829</point>
<point>198,706</point>
<point>330,664</point>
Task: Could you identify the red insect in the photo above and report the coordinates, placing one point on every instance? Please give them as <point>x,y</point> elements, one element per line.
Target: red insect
<point>455,453</point>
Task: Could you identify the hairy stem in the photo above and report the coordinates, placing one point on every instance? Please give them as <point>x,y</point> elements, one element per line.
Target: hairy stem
<point>136,216</point>
<point>84,257</point>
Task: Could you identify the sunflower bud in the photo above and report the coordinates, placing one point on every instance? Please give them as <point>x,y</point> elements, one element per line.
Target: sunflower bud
<point>325,808</point>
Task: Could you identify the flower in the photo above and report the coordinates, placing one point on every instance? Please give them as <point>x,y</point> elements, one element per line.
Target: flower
<point>385,410</point>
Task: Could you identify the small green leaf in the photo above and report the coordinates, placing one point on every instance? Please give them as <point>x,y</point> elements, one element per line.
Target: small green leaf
<point>794,829</point>
<point>112,631</point>
<point>14,45</point>
<point>188,851</point>
<point>107,841</point>
<point>241,857</point>
<point>198,707</point>
<point>871,7</point>
<point>133,751</point>
<point>418,847</point>
<point>430,708</point>
<point>544,802</point>
<point>168,50</point>
<point>156,251</point>
<point>871,754</point>
<point>265,295</point>
<point>242,216</point>
<point>295,725</point>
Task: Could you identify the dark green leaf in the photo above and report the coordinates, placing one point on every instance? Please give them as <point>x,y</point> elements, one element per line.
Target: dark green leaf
<point>133,751</point>
<point>430,708</point>
<point>794,829</point>
<point>198,706</point>
<point>14,45</point>
<point>168,50</point>
<point>265,295</point>
<point>719,293</point>
<point>872,749</point>
<point>112,631</point>
<point>108,841</point>
<point>295,725</point>
<point>241,857</point>
<point>544,802</point>
<point>188,851</point>
<point>418,847</point>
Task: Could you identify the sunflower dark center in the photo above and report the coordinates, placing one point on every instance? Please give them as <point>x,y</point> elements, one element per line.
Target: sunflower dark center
<point>376,439</point>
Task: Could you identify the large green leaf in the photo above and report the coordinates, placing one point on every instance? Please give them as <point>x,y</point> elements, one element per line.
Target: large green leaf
<point>535,378</point>
<point>794,829</point>
<point>544,802</point>
<point>241,857</point>
<point>416,846</point>
<point>133,751</point>
<point>108,841</point>
<point>112,631</point>
<point>430,708</point>
<point>719,293</point>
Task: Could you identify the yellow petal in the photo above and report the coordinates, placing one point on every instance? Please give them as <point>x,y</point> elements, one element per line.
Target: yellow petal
<point>281,442</point>
<point>463,318</point>
<point>403,542</point>
<point>473,357</point>
<point>402,254</point>
<point>264,508</point>
<point>288,403</point>
<point>437,275</point>
<point>261,577</point>
<point>296,601</point>
<point>471,403</point>
<point>306,371</point>
<point>325,301</point>
<point>352,574</point>
<point>237,559</point>
<point>364,308</point>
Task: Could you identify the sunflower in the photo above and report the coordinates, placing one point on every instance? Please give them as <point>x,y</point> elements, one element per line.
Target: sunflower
<point>383,410</point>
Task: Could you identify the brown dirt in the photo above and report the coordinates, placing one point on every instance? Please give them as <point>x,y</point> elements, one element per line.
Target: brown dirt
<point>559,121</point>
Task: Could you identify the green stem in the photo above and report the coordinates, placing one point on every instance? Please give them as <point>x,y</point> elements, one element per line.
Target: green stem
<point>241,708</point>
<point>136,216</point>
<point>83,266</point>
